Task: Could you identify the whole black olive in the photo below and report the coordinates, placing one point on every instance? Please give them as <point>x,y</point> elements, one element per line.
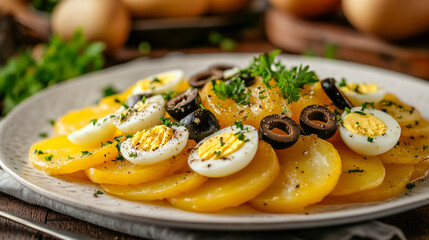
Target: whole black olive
<point>133,99</point>
<point>200,123</point>
<point>183,104</point>
<point>337,97</point>
<point>199,80</point>
<point>325,125</point>
<point>284,123</point>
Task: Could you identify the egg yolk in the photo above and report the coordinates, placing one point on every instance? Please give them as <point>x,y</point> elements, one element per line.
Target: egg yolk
<point>361,88</point>
<point>367,125</point>
<point>220,146</point>
<point>159,80</point>
<point>152,139</point>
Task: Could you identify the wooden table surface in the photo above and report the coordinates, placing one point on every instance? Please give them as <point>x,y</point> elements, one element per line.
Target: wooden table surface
<point>414,223</point>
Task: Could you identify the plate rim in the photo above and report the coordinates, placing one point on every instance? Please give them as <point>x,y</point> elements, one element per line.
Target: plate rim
<point>319,221</point>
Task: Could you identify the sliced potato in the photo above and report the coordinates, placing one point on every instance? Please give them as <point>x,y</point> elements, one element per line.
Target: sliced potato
<point>235,189</point>
<point>77,119</point>
<point>125,172</point>
<point>397,177</point>
<point>358,172</point>
<point>400,111</point>
<point>309,170</point>
<point>418,128</point>
<point>409,151</point>
<point>421,171</point>
<point>170,186</point>
<point>60,156</point>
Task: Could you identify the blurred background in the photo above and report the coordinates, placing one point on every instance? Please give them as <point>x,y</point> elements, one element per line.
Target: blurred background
<point>43,42</point>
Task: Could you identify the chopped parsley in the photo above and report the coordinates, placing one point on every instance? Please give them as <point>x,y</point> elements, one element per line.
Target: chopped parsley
<point>85,153</point>
<point>221,142</point>
<point>43,135</point>
<point>52,122</point>
<point>69,157</point>
<point>155,80</point>
<point>143,99</point>
<point>49,157</point>
<point>134,154</point>
<point>338,116</point>
<point>168,123</point>
<point>365,105</point>
<point>370,139</point>
<point>355,170</point>
<point>359,112</point>
<point>93,121</point>
<point>409,126</point>
<point>239,124</point>
<point>122,103</point>
<point>217,153</point>
<point>122,117</point>
<point>97,192</point>
<point>347,110</point>
<point>109,91</point>
<point>410,186</point>
<point>357,123</point>
<point>262,97</point>
<point>169,95</point>
<point>284,111</point>
<point>201,106</point>
<point>241,136</point>
<point>343,82</point>
<point>425,147</point>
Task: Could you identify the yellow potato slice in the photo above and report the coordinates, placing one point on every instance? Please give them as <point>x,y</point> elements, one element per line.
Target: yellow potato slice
<point>358,172</point>
<point>264,102</point>
<point>409,151</point>
<point>235,189</point>
<point>397,177</point>
<point>125,172</point>
<point>77,119</point>
<point>309,171</point>
<point>170,186</point>
<point>60,156</point>
<point>401,112</point>
<point>418,128</point>
<point>421,171</point>
<point>113,101</point>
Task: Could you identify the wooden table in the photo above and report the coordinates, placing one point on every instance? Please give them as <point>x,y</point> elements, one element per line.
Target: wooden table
<point>415,223</point>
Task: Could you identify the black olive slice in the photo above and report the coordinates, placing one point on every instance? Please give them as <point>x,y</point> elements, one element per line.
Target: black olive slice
<point>221,68</point>
<point>133,99</point>
<point>199,80</point>
<point>319,120</point>
<point>183,104</point>
<point>200,123</point>
<point>337,97</point>
<point>284,123</point>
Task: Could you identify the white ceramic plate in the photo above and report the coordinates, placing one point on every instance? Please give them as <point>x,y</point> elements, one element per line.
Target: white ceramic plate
<point>22,126</point>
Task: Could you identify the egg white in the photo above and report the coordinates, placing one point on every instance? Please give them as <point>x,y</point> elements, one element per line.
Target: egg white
<point>230,164</point>
<point>171,86</point>
<point>173,147</point>
<point>357,99</point>
<point>380,144</point>
<point>148,117</point>
<point>94,133</point>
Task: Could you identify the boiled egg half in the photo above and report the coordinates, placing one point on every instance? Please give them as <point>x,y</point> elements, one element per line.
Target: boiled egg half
<point>155,144</point>
<point>144,114</point>
<point>95,132</point>
<point>358,93</point>
<point>159,83</point>
<point>224,152</point>
<point>369,132</point>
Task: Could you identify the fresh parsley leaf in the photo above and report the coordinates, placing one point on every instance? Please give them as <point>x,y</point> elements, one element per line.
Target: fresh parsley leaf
<point>221,142</point>
<point>236,90</point>
<point>347,110</point>
<point>425,147</point>
<point>217,152</point>
<point>93,121</point>
<point>52,122</point>
<point>370,139</point>
<point>355,170</point>
<point>239,124</point>
<point>365,104</point>
<point>109,91</point>
<point>43,135</point>
<point>343,82</point>
<point>85,153</point>
<point>168,123</point>
<point>134,154</point>
<point>169,95</point>
<point>49,157</point>
<point>410,186</point>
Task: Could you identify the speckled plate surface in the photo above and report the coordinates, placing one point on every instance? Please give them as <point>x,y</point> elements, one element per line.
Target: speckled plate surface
<point>22,126</point>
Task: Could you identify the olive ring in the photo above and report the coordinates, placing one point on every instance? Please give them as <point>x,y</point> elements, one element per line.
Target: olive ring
<point>284,123</point>
<point>326,125</point>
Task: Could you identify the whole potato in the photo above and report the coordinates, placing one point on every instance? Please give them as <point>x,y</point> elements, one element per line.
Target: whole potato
<point>389,19</point>
<point>166,8</point>
<point>305,8</point>
<point>100,20</point>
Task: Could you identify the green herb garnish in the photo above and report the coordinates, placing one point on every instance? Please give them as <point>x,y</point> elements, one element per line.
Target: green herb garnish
<point>365,104</point>
<point>235,90</point>
<point>168,123</point>
<point>221,142</point>
<point>52,122</point>
<point>217,152</point>
<point>169,95</point>
<point>49,157</point>
<point>239,124</point>
<point>43,135</point>
<point>355,170</point>
<point>109,91</point>
<point>85,153</point>
<point>93,121</point>
<point>134,154</point>
<point>410,186</point>
<point>370,139</point>
<point>343,82</point>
